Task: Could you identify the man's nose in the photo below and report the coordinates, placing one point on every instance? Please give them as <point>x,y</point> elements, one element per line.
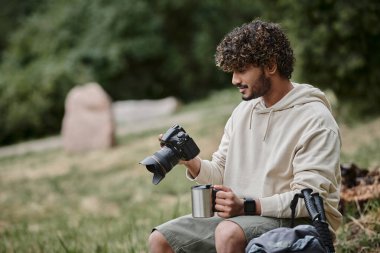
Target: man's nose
<point>236,78</point>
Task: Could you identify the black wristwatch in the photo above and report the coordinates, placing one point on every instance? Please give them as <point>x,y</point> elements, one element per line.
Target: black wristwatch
<point>249,206</point>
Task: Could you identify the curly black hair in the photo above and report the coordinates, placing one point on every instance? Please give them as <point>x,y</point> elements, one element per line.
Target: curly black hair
<point>257,43</point>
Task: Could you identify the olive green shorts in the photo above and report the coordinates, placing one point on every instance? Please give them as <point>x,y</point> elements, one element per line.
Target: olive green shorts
<point>188,234</point>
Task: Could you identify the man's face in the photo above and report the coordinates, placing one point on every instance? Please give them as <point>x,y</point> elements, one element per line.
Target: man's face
<point>251,82</point>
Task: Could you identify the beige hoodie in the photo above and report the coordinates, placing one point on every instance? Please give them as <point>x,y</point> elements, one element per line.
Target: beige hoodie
<point>272,153</point>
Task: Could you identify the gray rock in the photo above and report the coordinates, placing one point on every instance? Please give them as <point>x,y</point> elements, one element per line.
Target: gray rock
<point>88,122</point>
<point>145,109</point>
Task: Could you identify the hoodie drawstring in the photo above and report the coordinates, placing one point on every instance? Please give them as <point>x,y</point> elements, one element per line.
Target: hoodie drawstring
<point>268,122</point>
<point>251,115</point>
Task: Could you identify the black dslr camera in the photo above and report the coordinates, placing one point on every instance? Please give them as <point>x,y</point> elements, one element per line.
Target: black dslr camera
<point>176,145</point>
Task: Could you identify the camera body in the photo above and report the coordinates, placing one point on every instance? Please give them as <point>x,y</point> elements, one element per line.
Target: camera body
<point>180,142</point>
<point>176,145</point>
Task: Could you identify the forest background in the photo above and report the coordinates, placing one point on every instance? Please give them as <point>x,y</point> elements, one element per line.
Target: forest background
<point>151,49</point>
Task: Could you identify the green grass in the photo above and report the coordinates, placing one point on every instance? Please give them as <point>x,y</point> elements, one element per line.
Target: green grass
<point>360,231</point>
<point>104,201</point>
<point>84,209</point>
<point>367,156</point>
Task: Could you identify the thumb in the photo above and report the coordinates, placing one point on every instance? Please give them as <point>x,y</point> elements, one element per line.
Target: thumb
<point>160,139</point>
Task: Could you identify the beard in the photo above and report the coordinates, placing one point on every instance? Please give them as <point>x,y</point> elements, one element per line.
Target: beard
<point>262,85</point>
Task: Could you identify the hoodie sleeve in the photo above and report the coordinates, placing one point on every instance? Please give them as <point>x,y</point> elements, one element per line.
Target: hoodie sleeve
<point>315,166</point>
<point>212,172</point>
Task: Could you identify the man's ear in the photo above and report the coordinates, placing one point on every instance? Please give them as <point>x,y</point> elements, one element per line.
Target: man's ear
<point>271,68</point>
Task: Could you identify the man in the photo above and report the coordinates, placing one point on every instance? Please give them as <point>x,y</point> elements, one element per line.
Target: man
<point>279,140</point>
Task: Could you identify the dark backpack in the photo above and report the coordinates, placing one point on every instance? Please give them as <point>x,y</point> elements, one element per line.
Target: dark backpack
<point>314,238</point>
<point>302,238</point>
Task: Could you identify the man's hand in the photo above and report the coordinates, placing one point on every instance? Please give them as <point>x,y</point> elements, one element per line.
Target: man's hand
<point>227,203</point>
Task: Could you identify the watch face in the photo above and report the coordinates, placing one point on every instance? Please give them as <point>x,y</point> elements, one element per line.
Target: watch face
<point>249,207</point>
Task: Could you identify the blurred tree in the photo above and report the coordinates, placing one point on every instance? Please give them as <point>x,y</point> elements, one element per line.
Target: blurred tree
<point>134,49</point>
<point>338,47</point>
<point>12,15</point>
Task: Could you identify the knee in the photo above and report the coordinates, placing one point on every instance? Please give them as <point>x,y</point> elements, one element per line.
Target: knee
<point>158,243</point>
<point>229,234</point>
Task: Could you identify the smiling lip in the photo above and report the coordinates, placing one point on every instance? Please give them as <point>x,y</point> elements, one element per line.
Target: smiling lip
<point>242,87</point>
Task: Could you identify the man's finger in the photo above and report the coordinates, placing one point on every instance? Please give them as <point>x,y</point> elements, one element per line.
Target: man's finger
<point>222,188</point>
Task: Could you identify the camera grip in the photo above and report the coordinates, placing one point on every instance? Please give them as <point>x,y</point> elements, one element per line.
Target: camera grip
<point>190,150</point>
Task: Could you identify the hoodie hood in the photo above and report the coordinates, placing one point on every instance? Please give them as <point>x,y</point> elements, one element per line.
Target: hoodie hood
<point>299,95</point>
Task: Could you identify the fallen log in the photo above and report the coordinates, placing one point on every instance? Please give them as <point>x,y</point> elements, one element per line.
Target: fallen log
<point>358,185</point>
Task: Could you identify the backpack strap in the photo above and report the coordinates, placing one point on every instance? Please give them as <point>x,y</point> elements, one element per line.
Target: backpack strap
<point>314,205</point>
<point>293,206</point>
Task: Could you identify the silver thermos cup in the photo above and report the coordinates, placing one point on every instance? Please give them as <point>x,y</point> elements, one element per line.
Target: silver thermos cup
<point>203,201</point>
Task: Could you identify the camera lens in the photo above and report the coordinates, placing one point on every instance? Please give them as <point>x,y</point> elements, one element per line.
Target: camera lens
<point>160,163</point>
